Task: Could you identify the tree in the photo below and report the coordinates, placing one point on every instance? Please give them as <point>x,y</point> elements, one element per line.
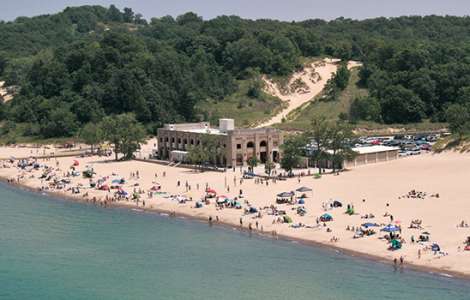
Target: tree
<point>458,117</point>
<point>401,105</point>
<point>366,108</point>
<point>128,15</point>
<point>124,133</point>
<point>269,166</point>
<point>292,151</point>
<point>197,155</point>
<point>319,132</point>
<point>92,135</point>
<point>341,78</point>
<point>114,14</point>
<point>252,162</point>
<point>339,143</point>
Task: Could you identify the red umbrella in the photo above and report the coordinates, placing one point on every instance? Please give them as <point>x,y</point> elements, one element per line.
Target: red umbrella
<point>76,163</point>
<point>211,191</point>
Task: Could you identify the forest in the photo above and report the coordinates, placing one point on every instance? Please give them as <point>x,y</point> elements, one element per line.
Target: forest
<point>74,68</point>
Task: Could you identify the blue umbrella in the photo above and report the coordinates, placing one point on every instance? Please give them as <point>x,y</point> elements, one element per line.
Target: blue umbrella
<point>366,225</point>
<point>301,201</point>
<point>390,228</point>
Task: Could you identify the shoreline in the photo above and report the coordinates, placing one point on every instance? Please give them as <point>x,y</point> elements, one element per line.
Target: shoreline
<point>434,271</point>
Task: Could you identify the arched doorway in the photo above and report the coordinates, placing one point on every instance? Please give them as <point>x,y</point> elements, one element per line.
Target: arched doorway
<point>263,153</point>
<point>276,156</point>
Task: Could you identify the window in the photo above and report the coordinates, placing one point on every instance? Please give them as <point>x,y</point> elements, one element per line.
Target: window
<point>239,146</point>
<point>250,145</point>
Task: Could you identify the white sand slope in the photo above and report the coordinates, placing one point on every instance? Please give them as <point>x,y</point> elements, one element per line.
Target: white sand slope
<point>4,92</point>
<point>314,76</point>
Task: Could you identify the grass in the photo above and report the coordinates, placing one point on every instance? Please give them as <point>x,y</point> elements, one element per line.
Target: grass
<point>246,111</point>
<point>300,118</point>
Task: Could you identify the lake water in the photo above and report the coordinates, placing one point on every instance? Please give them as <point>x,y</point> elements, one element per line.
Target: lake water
<point>54,249</point>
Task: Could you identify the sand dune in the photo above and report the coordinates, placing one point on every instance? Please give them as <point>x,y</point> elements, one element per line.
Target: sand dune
<point>310,82</point>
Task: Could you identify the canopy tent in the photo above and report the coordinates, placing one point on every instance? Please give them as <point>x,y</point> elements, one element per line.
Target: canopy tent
<point>301,201</point>
<point>390,228</point>
<point>286,194</point>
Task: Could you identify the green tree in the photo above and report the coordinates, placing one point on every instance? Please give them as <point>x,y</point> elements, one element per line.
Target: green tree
<point>458,117</point>
<point>92,135</point>
<point>340,136</point>
<point>341,78</point>
<point>252,162</point>
<point>366,108</point>
<point>401,105</point>
<point>292,152</point>
<point>319,132</point>
<point>124,133</point>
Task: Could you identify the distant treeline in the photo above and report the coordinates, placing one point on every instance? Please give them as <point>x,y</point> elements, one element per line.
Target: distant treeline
<point>87,62</point>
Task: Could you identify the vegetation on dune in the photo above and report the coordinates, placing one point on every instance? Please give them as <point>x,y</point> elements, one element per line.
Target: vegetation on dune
<point>85,63</point>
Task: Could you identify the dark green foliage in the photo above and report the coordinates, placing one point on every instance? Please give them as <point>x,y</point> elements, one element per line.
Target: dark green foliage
<point>91,61</point>
<point>366,108</point>
<point>123,132</point>
<point>401,105</point>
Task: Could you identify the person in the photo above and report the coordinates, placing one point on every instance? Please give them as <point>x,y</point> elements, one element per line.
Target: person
<point>241,222</point>
<point>402,260</point>
<point>419,253</point>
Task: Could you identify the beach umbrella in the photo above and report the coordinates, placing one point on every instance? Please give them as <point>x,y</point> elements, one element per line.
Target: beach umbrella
<point>210,191</point>
<point>303,189</point>
<point>76,163</point>
<point>366,225</point>
<point>116,181</point>
<point>435,247</point>
<point>221,200</point>
<point>301,201</point>
<point>390,228</point>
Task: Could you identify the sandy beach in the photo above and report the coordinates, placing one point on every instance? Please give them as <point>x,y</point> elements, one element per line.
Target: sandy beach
<point>380,189</point>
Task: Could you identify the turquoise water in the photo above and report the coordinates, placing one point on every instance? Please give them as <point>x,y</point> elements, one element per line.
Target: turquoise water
<point>54,249</point>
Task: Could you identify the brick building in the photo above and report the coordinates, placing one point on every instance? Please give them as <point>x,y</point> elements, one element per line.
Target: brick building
<point>174,140</point>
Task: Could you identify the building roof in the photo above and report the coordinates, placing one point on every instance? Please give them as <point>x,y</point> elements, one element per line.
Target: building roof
<point>374,149</point>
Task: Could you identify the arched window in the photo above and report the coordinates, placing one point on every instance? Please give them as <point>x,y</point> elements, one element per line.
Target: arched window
<point>192,142</point>
<point>250,145</point>
<point>263,144</point>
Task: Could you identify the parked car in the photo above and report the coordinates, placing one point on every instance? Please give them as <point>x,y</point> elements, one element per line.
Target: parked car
<point>425,147</point>
<point>415,151</point>
<point>403,153</point>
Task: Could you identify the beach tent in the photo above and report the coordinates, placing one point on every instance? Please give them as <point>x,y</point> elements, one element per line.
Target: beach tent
<point>435,247</point>
<point>395,244</point>
<point>301,201</point>
<point>326,218</point>
<point>390,228</point>
<point>199,204</point>
<point>76,163</point>
<point>336,203</point>
<point>238,205</point>
<point>253,210</point>
<point>303,189</point>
